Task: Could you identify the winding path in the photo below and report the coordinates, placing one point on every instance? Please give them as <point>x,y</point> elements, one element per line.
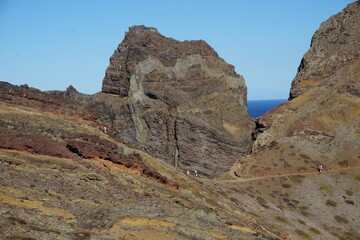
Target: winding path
<point>282,175</point>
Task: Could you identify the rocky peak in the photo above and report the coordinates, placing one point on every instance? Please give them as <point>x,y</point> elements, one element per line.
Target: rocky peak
<point>187,105</point>
<point>139,43</point>
<point>334,45</point>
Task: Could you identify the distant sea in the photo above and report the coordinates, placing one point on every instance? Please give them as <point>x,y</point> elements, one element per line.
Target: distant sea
<point>259,107</point>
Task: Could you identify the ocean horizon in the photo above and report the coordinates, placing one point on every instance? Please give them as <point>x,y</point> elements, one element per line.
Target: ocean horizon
<point>257,108</point>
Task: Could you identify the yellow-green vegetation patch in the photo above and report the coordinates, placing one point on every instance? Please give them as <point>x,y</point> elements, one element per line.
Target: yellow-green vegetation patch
<point>349,192</point>
<point>304,156</point>
<point>301,221</point>
<point>304,234</point>
<point>304,211</point>
<point>314,230</point>
<point>304,208</point>
<point>343,163</point>
<point>340,219</point>
<point>32,204</point>
<point>331,203</point>
<point>339,236</point>
<point>325,188</point>
<point>281,219</point>
<point>357,178</point>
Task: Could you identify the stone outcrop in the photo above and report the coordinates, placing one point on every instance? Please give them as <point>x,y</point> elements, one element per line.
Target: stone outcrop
<point>321,122</point>
<point>188,106</point>
<point>334,45</point>
<point>320,125</point>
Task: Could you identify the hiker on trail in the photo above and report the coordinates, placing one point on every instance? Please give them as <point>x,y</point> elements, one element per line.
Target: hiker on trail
<point>104,130</point>
<point>196,173</point>
<point>187,172</point>
<point>320,168</point>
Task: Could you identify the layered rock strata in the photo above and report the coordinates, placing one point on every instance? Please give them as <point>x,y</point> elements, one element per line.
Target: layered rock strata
<point>323,115</point>
<point>188,106</point>
<point>321,123</point>
<point>319,126</point>
<point>333,46</point>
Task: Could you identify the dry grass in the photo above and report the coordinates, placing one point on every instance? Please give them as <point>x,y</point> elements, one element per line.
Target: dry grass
<point>331,203</point>
<point>304,234</point>
<point>281,219</point>
<point>341,219</point>
<point>314,230</point>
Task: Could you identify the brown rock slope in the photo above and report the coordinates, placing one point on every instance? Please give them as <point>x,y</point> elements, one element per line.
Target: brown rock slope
<point>61,177</point>
<point>319,125</point>
<point>187,105</point>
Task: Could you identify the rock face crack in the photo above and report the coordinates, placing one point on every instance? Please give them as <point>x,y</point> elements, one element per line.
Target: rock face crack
<point>187,105</point>
<point>176,147</point>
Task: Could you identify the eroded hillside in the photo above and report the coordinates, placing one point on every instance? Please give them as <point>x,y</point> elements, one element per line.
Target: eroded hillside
<point>62,177</point>
<point>320,125</point>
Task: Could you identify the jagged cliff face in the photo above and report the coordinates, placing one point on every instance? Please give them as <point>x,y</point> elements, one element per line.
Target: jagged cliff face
<point>320,125</point>
<point>334,45</point>
<point>187,105</point>
<point>324,110</point>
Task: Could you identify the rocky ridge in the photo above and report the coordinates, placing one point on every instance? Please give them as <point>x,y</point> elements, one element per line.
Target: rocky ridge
<point>187,105</point>
<point>333,46</point>
<point>61,177</point>
<point>320,125</point>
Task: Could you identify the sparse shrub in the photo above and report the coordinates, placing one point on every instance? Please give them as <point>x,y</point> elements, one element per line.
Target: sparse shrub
<point>234,200</point>
<point>304,211</point>
<point>262,202</point>
<point>339,236</point>
<point>272,145</point>
<point>343,163</point>
<point>349,192</point>
<point>304,234</point>
<point>222,193</point>
<point>285,185</point>
<point>286,200</point>
<point>325,188</point>
<point>297,179</point>
<point>301,222</point>
<point>291,205</point>
<point>350,202</point>
<point>281,219</point>
<point>340,219</point>
<point>304,208</point>
<point>331,203</point>
<point>260,199</point>
<point>237,190</point>
<point>287,165</point>
<point>357,178</point>
<point>314,230</point>
<point>304,156</point>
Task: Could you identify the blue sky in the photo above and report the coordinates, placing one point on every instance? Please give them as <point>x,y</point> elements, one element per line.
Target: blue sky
<point>51,44</point>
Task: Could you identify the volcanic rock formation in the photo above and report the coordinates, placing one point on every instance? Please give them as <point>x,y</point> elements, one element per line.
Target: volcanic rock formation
<point>187,105</point>
<point>319,125</point>
<point>334,45</point>
<point>324,110</point>
<point>61,177</point>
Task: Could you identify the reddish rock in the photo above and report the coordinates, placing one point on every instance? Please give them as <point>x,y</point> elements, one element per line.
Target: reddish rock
<point>187,105</point>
